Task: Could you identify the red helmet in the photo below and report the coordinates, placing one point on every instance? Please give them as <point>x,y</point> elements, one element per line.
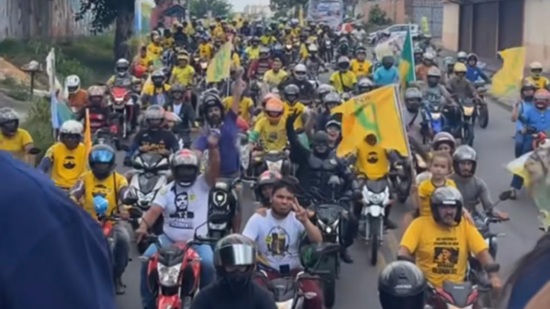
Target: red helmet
<point>139,71</point>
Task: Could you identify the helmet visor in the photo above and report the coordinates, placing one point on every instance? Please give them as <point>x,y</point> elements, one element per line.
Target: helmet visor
<point>237,255</point>
<point>102,156</point>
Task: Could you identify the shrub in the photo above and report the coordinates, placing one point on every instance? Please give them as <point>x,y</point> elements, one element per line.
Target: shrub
<point>378,17</point>
<point>39,124</point>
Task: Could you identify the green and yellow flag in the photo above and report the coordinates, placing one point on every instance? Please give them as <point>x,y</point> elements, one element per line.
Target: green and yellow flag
<point>406,64</point>
<point>376,112</point>
<point>508,79</point>
<point>220,66</point>
<point>301,17</point>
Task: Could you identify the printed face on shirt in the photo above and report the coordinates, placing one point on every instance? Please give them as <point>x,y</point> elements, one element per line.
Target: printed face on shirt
<point>445,256</point>
<point>277,241</point>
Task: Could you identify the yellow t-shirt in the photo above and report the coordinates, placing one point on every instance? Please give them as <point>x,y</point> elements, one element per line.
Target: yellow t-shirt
<point>235,60</point>
<point>16,143</point>
<point>205,51</point>
<point>425,191</point>
<point>540,83</point>
<point>153,51</point>
<point>268,40</point>
<point>372,161</point>
<point>304,53</point>
<point>108,188</point>
<point>442,253</point>
<point>252,53</point>
<point>298,108</point>
<point>244,106</point>
<point>274,79</point>
<point>149,89</point>
<point>272,137</point>
<point>183,76</point>
<point>349,80</point>
<point>67,164</point>
<point>360,68</point>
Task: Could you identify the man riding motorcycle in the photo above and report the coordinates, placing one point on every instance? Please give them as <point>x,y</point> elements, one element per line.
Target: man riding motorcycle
<point>536,77</point>
<point>364,85</point>
<point>156,93</point>
<point>153,137</point>
<point>474,72</point>
<point>263,189</point>
<point>184,109</point>
<point>274,77</point>
<point>253,51</point>
<point>472,188</point>
<point>183,205</point>
<point>435,92</point>
<point>462,57</point>
<point>235,262</point>
<point>77,96</point>
<point>422,69</point>
<point>99,114</point>
<point>344,80</point>
<point>313,62</point>
<point>315,168</point>
<point>13,139</point>
<point>261,65</point>
<point>299,78</point>
<point>428,239</point>
<point>459,86</point>
<point>66,159</point>
<point>401,285</point>
<point>330,101</point>
<point>102,180</point>
<point>360,66</point>
<point>122,74</point>
<point>286,218</point>
<point>387,74</point>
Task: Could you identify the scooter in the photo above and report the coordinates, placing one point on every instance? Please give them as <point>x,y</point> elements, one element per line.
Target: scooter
<point>174,272</point>
<point>222,205</point>
<point>376,196</point>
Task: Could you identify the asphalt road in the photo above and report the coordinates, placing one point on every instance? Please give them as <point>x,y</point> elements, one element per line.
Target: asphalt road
<point>357,285</point>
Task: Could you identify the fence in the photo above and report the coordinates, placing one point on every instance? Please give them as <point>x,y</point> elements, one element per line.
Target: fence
<point>45,19</point>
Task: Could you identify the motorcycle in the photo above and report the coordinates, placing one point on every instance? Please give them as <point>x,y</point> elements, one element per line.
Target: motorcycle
<point>432,120</point>
<point>376,196</point>
<point>222,204</point>
<point>184,138</point>
<point>255,90</point>
<point>244,150</point>
<point>482,108</point>
<point>121,104</point>
<point>104,137</point>
<point>151,175</point>
<point>463,127</point>
<point>174,272</point>
<point>454,296</point>
<point>329,52</point>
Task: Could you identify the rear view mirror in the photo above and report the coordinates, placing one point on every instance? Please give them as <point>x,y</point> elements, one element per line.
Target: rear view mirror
<point>505,195</point>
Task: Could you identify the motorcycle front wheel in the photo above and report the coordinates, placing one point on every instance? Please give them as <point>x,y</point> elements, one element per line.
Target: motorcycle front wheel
<point>374,240</point>
<point>329,292</point>
<point>483,117</point>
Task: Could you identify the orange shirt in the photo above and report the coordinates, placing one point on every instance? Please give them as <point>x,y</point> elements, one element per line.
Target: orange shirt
<point>78,100</point>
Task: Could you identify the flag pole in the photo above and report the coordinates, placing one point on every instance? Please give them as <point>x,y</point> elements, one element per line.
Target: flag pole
<point>412,49</point>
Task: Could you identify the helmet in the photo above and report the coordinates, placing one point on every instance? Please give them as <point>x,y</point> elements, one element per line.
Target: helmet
<point>312,48</point>
<point>528,86</point>
<point>264,50</point>
<point>343,60</point>
<point>461,56</point>
<point>291,93</point>
<point>158,78</point>
<point>434,72</point>
<point>101,205</point>
<point>443,138</point>
<point>122,65</point>
<point>212,100</point>
<point>413,99</point>
<point>182,57</point>
<point>472,56</point>
<point>449,61</point>
<point>71,127</point>
<point>9,121</point>
<point>300,71</point>
<point>464,153</point>
<point>428,56</point>
<point>446,196</point>
<point>268,97</point>
<point>460,68</point>
<point>274,109</point>
<point>324,89</point>
<point>235,250</point>
<point>401,284</point>
<point>185,167</point>
<point>418,50</point>
<point>73,83</point>
<point>101,161</point>
<point>535,66</point>
<point>365,85</point>
<point>266,178</point>
<point>542,95</point>
<point>177,91</point>
<point>332,98</point>
<point>154,116</point>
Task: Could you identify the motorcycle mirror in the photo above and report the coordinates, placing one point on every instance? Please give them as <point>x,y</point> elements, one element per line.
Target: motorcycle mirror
<point>34,151</point>
<point>505,195</point>
<point>310,295</point>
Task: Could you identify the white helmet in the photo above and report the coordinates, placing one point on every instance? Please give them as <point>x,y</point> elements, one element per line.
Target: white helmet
<point>73,83</point>
<point>428,56</point>
<point>312,48</point>
<point>71,127</point>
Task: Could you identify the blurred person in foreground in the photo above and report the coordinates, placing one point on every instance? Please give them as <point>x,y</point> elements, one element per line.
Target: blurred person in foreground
<point>49,245</point>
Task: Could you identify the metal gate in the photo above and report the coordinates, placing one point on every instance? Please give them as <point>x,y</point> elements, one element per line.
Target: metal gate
<point>433,11</point>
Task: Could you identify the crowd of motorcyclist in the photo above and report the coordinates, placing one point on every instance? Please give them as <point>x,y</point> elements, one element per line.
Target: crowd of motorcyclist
<point>274,103</point>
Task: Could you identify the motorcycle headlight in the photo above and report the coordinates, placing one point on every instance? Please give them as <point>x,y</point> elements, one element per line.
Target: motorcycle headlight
<point>220,199</point>
<point>274,166</point>
<point>204,65</point>
<point>169,275</point>
<point>285,305</point>
<point>377,198</point>
<point>436,116</point>
<point>468,111</point>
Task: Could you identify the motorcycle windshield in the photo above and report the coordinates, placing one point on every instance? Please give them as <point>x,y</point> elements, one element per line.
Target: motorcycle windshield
<point>147,184</point>
<point>377,186</point>
<point>150,159</point>
<point>328,213</point>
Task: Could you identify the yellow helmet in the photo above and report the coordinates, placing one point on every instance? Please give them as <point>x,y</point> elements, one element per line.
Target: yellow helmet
<point>460,68</point>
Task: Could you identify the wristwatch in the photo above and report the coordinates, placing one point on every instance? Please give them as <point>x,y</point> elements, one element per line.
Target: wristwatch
<point>492,268</point>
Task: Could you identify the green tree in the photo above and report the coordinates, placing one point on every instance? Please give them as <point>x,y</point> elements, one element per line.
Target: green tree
<point>283,6</point>
<point>200,8</point>
<point>105,13</point>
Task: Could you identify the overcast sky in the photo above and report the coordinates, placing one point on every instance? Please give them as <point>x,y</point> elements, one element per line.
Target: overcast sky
<point>238,5</point>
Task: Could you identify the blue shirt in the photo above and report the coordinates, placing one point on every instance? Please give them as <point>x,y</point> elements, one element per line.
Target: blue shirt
<point>473,73</point>
<point>230,161</point>
<point>385,77</point>
<point>523,108</point>
<point>539,120</point>
<point>529,283</point>
<point>49,247</point>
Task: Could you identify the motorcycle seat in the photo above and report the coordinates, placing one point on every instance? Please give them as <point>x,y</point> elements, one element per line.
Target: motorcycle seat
<point>460,292</point>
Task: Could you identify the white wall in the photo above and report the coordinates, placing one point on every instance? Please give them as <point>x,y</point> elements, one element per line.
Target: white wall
<point>536,34</point>
<point>451,22</point>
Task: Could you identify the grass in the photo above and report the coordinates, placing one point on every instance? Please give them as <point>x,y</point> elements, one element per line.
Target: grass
<point>13,89</point>
<point>39,124</point>
<point>91,58</point>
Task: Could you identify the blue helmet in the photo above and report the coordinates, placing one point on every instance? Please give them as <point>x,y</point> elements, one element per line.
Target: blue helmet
<point>100,205</point>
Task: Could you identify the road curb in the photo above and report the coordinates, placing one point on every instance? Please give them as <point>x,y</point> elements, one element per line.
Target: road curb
<point>500,103</point>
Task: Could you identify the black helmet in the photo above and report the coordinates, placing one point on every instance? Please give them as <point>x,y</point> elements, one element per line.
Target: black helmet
<point>446,196</point>
<point>401,285</point>
<point>291,91</point>
<point>238,253</point>
<point>320,139</point>
<point>185,167</point>
<point>212,100</point>
<point>102,161</point>
<point>462,154</point>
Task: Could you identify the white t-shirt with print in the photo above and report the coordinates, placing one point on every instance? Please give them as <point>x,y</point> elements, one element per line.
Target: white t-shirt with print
<point>278,241</point>
<point>184,209</point>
